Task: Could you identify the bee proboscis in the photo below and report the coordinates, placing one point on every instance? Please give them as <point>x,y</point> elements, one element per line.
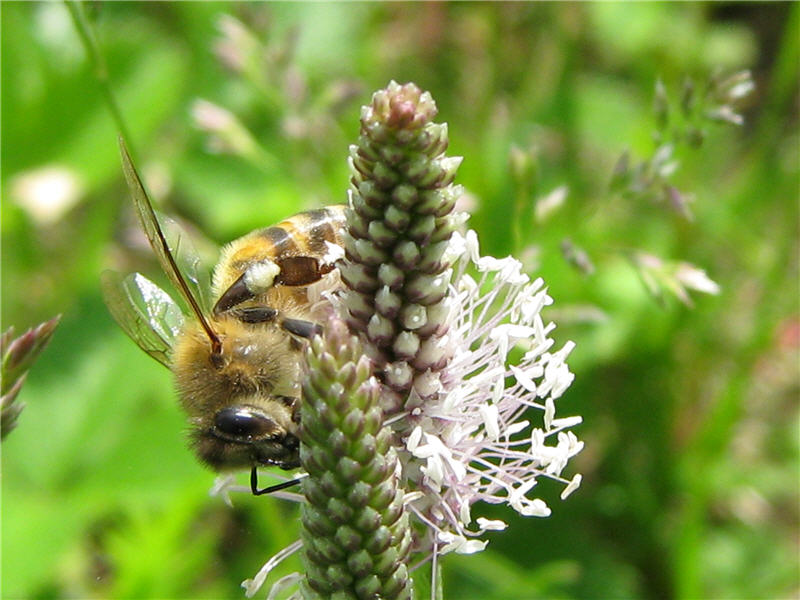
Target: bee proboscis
<point>236,362</point>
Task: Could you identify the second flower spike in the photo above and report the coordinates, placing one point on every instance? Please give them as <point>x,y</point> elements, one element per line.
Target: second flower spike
<point>400,220</point>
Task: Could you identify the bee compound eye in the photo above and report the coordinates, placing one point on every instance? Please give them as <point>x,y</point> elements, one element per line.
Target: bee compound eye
<point>243,423</point>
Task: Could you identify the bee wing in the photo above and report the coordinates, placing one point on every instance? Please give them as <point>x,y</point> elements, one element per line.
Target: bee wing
<point>170,244</point>
<point>188,260</point>
<point>144,311</point>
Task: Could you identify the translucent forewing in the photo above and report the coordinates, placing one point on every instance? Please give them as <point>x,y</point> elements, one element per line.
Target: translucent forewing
<point>144,311</point>
<point>161,246</point>
<point>188,260</point>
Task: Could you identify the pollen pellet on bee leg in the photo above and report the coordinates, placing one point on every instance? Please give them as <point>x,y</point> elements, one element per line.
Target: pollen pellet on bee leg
<point>260,276</point>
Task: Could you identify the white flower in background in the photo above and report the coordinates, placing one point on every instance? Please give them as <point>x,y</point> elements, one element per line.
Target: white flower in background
<point>47,193</point>
<point>695,278</point>
<point>227,134</point>
<point>676,277</point>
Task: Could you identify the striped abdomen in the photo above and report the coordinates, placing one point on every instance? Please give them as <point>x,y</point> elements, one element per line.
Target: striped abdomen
<point>303,234</point>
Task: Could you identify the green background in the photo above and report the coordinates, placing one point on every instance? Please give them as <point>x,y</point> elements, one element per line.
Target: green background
<point>690,467</point>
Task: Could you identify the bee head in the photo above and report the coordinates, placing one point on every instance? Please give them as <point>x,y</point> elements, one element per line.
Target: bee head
<point>243,436</point>
<point>243,408</point>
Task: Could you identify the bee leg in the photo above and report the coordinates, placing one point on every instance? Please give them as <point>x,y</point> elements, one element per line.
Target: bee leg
<point>270,489</point>
<point>237,293</point>
<point>300,270</point>
<point>301,328</point>
<point>261,276</point>
<point>257,278</point>
<point>255,314</point>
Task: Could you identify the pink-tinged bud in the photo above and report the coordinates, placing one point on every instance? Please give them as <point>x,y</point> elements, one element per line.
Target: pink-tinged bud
<point>18,355</point>
<point>401,199</point>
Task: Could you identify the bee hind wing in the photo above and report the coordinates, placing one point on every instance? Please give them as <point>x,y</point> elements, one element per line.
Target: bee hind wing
<point>147,314</point>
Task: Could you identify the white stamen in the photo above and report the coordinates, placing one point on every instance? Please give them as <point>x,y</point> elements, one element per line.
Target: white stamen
<point>573,485</point>
<point>491,525</point>
<point>252,586</point>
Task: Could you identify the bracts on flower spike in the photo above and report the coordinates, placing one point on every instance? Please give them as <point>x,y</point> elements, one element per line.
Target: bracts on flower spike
<point>400,219</point>
<point>453,402</point>
<point>355,536</point>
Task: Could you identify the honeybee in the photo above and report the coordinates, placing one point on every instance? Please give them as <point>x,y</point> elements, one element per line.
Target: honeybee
<point>236,361</point>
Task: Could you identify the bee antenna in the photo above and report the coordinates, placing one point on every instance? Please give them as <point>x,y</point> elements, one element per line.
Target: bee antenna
<point>155,235</point>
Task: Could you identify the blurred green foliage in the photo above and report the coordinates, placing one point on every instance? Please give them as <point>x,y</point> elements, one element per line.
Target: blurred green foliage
<point>690,414</point>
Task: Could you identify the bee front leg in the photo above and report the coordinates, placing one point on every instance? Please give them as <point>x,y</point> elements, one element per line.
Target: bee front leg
<point>301,270</point>
<point>270,489</point>
<point>255,314</point>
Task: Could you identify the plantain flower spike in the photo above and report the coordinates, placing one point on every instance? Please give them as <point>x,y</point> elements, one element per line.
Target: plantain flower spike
<point>355,533</point>
<point>18,355</point>
<point>457,339</point>
<point>400,221</point>
<point>434,386</point>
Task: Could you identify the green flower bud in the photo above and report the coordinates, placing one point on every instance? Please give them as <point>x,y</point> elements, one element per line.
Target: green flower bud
<point>355,533</point>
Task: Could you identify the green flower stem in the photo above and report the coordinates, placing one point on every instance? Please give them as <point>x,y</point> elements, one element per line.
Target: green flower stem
<point>77,11</point>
